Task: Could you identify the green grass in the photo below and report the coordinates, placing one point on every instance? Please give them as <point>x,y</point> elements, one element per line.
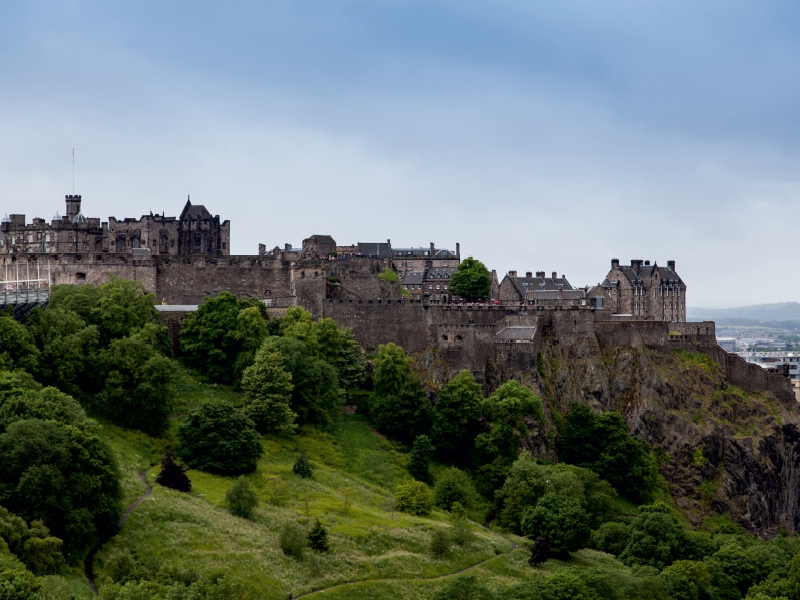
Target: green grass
<point>388,275</point>
<point>369,542</point>
<point>695,360</point>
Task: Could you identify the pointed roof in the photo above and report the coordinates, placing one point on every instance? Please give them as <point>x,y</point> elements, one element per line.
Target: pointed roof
<point>194,211</point>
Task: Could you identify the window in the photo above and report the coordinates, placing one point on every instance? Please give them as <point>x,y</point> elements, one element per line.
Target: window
<point>444,263</point>
<point>426,253</point>
<point>430,286</point>
<point>47,237</point>
<point>445,286</point>
<point>438,287</point>
<point>30,237</point>
<point>408,263</point>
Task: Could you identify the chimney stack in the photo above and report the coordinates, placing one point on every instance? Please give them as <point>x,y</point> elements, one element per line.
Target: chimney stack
<point>614,264</point>
<point>540,274</point>
<point>555,275</point>
<point>671,265</point>
<point>529,275</point>
<point>512,273</point>
<point>458,249</point>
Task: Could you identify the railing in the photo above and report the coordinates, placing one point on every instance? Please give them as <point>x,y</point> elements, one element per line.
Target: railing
<point>23,288</point>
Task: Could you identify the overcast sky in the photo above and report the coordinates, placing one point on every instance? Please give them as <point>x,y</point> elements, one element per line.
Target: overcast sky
<point>540,135</point>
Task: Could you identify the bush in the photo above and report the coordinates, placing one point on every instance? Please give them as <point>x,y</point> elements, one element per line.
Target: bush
<point>655,540</point>
<point>173,475</point>
<point>540,551</point>
<point>414,497</point>
<point>463,587</point>
<point>318,537</point>
<point>440,543</point>
<point>302,466</point>
<point>241,499</point>
<point>292,540</point>
<point>19,350</point>
<point>453,486</point>
<point>611,538</point>
<point>219,438</point>
<point>460,532</point>
<point>419,461</point>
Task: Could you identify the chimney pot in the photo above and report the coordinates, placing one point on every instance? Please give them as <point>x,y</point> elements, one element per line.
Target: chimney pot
<point>671,265</point>
<point>528,274</point>
<point>614,263</point>
<point>555,275</point>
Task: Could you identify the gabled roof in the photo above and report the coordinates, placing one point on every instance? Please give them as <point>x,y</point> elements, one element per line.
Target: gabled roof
<point>441,272</point>
<point>321,239</point>
<point>647,271</point>
<point>375,249</point>
<point>413,277</point>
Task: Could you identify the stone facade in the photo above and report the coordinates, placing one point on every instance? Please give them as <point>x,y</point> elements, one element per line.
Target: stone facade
<point>513,289</point>
<point>647,291</point>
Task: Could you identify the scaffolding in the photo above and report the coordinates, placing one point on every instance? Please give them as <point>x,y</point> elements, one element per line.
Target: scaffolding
<point>22,291</point>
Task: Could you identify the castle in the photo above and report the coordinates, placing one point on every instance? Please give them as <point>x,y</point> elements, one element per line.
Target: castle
<point>186,259</point>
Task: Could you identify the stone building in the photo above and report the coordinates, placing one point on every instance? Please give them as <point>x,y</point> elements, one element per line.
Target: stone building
<point>514,288</point>
<point>421,259</point>
<point>196,231</point>
<point>646,291</point>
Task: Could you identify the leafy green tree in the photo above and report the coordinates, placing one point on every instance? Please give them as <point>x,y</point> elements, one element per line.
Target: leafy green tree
<point>219,438</point>
<point>453,486</point>
<point>213,337</point>
<point>62,475</point>
<point>560,519</point>
<point>34,546</point>
<point>121,308</point>
<point>318,537</point>
<point>472,280</point>
<point>173,475</point>
<point>418,464</point>
<point>440,543</point>
<point>540,551</point>
<point>746,567</point>
<point>316,395</point>
<point>603,444</point>
<point>398,407</point>
<point>78,299</point>
<point>656,539</point>
<point>139,390</point>
<point>302,465</point>
<point>17,347</point>
<point>510,403</point>
<point>460,531</point>
<point>241,499</point>
<point>463,587</point>
<point>19,585</point>
<point>268,389</point>
<point>297,323</point>
<point>337,346</point>
<point>66,343</point>
<point>292,540</point>
<point>21,399</point>
<point>688,580</point>
<point>611,538</point>
<point>414,497</point>
<point>456,417</point>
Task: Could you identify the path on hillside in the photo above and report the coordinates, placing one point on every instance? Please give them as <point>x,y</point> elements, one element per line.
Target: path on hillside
<point>365,581</point>
<point>89,560</point>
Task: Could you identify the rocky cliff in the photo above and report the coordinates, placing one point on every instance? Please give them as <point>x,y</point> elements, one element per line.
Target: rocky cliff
<point>722,450</point>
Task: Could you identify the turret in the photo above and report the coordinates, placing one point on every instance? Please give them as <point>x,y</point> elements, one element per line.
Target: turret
<point>73,206</point>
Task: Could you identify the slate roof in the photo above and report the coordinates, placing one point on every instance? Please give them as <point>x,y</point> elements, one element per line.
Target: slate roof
<point>176,307</point>
<point>413,277</point>
<point>510,334</point>
<point>534,284</point>
<point>195,211</point>
<point>441,272</point>
<point>648,271</point>
<point>375,249</point>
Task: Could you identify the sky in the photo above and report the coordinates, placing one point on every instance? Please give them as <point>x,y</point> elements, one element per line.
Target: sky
<point>548,136</point>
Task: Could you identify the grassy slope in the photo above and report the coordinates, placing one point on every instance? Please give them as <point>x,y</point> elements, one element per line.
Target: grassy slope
<point>374,551</point>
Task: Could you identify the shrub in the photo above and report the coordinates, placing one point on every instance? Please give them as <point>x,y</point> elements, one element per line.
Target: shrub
<point>219,438</point>
<point>414,497</point>
<point>318,537</point>
<point>463,587</point>
<point>440,543</point>
<point>241,499</point>
<point>460,532</point>
<point>173,475</point>
<point>19,350</point>
<point>419,461</point>
<point>611,538</point>
<point>388,275</point>
<point>453,486</point>
<point>302,466</point>
<point>292,540</point>
<point>540,551</point>
<point>655,539</point>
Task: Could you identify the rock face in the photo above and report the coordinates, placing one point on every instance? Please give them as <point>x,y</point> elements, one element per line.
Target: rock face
<point>724,450</point>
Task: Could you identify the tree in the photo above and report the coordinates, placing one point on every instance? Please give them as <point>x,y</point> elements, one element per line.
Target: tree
<point>35,547</point>
<point>456,417</point>
<point>318,537</point>
<point>219,438</point>
<point>267,388</point>
<point>603,444</point>
<point>64,476</point>
<point>173,475</point>
<point>540,551</point>
<point>418,464</point>
<point>460,532</point>
<point>453,486</point>
<point>66,344</point>
<point>560,519</point>
<point>302,466</point>
<point>510,403</point>
<point>139,382</point>
<point>337,346</point>
<point>241,499</point>
<point>655,539</point>
<point>212,338</point>
<point>22,399</point>
<point>415,498</point>
<point>17,347</point>
<point>440,543</point>
<point>121,308</point>
<point>292,540</point>
<point>688,579</point>
<point>398,407</point>
<point>472,280</point>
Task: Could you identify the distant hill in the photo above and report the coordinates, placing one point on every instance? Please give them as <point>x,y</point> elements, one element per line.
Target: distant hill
<point>781,311</point>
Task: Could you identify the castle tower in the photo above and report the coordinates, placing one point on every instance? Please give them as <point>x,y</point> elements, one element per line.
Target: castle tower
<point>73,206</point>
